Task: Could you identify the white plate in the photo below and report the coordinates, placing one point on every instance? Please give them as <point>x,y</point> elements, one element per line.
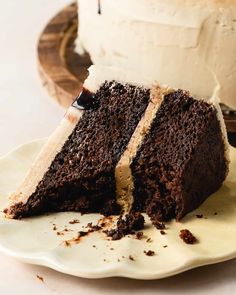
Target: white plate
<point>34,240</point>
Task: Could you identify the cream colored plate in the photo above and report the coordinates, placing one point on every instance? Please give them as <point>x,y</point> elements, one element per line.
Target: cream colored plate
<point>34,240</point>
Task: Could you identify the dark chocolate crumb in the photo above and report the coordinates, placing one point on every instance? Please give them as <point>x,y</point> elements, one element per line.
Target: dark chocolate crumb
<point>149,240</point>
<point>118,260</point>
<point>131,257</point>
<point>94,246</point>
<point>199,216</point>
<point>131,222</point>
<point>66,243</point>
<point>115,234</point>
<point>111,248</point>
<point>215,213</point>
<point>159,225</point>
<point>54,227</point>
<point>162,232</point>
<point>74,221</point>
<point>40,278</point>
<point>187,236</point>
<point>165,246</point>
<point>139,235</point>
<point>89,225</point>
<point>60,233</point>
<point>149,253</point>
<point>83,233</point>
<point>92,227</point>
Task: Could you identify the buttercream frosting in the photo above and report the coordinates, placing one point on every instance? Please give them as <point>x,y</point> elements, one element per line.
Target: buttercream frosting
<point>187,44</point>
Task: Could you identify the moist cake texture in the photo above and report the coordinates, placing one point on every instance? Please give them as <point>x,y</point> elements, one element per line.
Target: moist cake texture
<point>182,157</point>
<point>81,177</point>
<point>178,160</point>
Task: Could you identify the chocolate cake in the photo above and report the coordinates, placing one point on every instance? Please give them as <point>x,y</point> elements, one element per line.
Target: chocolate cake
<point>123,148</point>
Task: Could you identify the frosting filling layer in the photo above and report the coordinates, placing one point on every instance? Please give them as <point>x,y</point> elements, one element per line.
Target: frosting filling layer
<point>123,173</point>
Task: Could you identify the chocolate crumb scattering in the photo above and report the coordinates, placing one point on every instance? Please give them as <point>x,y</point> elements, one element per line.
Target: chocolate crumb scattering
<point>132,222</point>
<point>54,227</point>
<point>106,221</point>
<point>74,221</point>
<point>76,239</point>
<point>94,246</point>
<point>131,257</point>
<point>149,253</point>
<point>139,235</point>
<point>149,240</point>
<point>89,225</point>
<point>93,227</point>
<point>162,232</point>
<point>60,233</point>
<point>83,233</point>
<point>159,225</point>
<point>66,243</point>
<point>199,216</point>
<point>165,246</point>
<point>40,278</point>
<point>187,236</point>
<point>115,234</point>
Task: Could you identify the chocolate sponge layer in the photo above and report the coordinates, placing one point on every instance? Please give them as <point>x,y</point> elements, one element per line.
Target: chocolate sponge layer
<point>181,160</point>
<point>81,177</point>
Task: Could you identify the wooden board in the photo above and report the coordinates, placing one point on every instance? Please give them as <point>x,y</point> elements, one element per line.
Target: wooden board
<point>63,71</point>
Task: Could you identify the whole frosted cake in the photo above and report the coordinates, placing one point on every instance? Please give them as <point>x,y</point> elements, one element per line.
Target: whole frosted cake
<point>189,44</point>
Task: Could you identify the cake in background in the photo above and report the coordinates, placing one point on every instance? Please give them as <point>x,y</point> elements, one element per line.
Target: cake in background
<point>188,44</point>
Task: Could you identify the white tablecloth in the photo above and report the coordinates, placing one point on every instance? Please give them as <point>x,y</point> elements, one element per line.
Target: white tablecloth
<point>26,113</point>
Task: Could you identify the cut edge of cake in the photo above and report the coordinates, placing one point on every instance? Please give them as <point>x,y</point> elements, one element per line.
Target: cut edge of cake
<point>45,157</point>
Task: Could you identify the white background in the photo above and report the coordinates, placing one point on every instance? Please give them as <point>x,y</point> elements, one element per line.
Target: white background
<point>26,113</point>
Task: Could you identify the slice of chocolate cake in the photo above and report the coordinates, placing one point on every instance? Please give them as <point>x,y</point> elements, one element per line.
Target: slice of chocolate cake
<point>182,156</point>
<point>128,147</point>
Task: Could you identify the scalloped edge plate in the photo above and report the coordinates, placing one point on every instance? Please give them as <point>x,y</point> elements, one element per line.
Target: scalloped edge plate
<point>35,240</point>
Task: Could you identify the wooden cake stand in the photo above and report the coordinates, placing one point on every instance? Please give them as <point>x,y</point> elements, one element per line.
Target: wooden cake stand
<point>63,71</point>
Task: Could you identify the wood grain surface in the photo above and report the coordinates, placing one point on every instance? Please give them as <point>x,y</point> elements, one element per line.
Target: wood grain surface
<point>63,71</point>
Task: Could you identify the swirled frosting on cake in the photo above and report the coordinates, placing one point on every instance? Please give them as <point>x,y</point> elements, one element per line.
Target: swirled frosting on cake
<point>184,43</point>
